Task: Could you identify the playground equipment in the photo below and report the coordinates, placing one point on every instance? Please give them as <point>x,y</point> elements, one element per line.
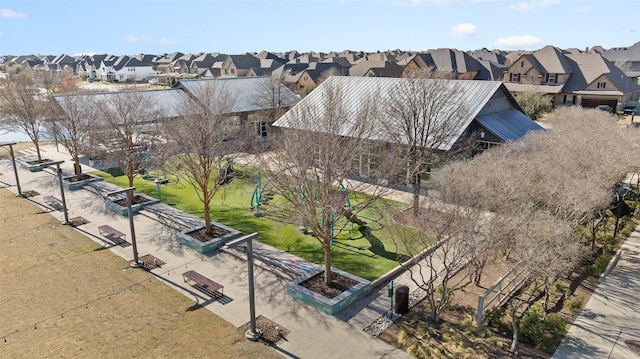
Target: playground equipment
<point>259,191</point>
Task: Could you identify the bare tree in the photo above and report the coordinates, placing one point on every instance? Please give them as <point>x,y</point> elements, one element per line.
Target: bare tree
<point>423,118</point>
<point>205,139</point>
<point>22,107</point>
<point>71,124</point>
<point>320,146</point>
<point>444,267</point>
<point>126,126</point>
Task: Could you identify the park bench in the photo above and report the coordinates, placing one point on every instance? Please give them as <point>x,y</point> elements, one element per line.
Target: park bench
<point>113,235</point>
<point>53,202</point>
<point>203,284</point>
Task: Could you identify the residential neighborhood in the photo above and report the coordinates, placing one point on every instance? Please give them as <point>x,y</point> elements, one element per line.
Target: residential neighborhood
<point>589,78</point>
<point>389,204</point>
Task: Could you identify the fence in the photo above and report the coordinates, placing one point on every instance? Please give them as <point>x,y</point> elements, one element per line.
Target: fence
<point>503,288</point>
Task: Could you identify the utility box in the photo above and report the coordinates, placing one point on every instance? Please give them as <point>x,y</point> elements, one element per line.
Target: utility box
<point>402,300</point>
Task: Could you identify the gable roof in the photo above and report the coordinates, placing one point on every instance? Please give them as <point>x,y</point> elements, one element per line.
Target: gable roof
<point>552,60</point>
<point>588,67</point>
<point>247,92</point>
<point>623,54</point>
<point>246,61</point>
<point>452,60</point>
<point>475,94</point>
<point>379,68</point>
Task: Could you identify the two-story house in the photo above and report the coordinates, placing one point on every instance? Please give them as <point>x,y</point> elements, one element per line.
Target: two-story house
<point>126,69</point>
<point>584,79</point>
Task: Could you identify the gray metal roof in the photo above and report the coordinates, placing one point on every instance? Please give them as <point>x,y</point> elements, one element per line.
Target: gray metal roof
<point>474,94</point>
<point>248,92</point>
<point>168,101</point>
<point>508,125</point>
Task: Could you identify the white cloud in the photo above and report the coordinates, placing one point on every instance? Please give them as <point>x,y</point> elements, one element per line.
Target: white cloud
<point>532,4</point>
<point>464,30</point>
<point>166,42</point>
<point>523,42</point>
<point>10,14</point>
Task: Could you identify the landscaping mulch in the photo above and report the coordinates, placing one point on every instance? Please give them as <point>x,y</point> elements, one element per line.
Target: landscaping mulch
<point>338,285</point>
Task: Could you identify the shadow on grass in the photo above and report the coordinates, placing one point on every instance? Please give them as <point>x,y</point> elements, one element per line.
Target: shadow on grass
<point>378,248</point>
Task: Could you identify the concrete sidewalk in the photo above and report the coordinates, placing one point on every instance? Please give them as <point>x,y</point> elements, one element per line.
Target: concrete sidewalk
<point>608,326</point>
<point>313,334</point>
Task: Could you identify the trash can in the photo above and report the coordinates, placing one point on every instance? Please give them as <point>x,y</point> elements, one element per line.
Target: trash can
<point>402,300</point>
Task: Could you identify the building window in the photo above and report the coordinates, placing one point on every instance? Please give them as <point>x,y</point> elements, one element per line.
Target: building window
<point>515,77</point>
<point>226,71</point>
<point>306,78</point>
<point>552,78</point>
<point>521,63</point>
<point>569,100</point>
<point>261,128</point>
<point>233,71</point>
<point>602,85</point>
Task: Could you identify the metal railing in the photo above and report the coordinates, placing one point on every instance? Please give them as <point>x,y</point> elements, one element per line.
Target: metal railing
<point>503,288</point>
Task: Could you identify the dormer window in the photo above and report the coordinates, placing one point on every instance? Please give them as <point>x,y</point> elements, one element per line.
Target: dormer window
<point>552,78</point>
<point>601,85</point>
<point>515,77</point>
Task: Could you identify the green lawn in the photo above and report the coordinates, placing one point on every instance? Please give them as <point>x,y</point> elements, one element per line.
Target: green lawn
<point>368,258</point>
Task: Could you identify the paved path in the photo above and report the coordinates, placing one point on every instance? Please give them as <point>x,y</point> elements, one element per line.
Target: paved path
<point>605,329</point>
<point>312,334</point>
<point>609,325</point>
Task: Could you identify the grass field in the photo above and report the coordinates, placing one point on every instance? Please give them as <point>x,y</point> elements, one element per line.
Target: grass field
<point>60,296</point>
<point>368,258</point>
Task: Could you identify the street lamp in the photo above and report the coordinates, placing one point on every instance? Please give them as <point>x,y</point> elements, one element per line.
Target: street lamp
<point>59,173</point>
<point>253,333</point>
<point>13,160</point>
<point>136,263</point>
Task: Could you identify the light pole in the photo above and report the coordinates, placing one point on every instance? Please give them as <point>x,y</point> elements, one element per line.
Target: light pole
<point>253,333</point>
<point>13,160</point>
<point>136,263</point>
<point>59,173</point>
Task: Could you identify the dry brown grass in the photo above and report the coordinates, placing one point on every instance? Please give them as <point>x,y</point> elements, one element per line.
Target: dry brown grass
<point>60,296</point>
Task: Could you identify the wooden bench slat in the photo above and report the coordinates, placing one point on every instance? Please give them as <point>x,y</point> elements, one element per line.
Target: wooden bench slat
<point>203,283</point>
<point>113,235</point>
<point>107,231</point>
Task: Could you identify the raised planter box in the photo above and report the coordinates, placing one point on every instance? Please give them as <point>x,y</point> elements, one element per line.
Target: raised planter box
<point>188,240</point>
<point>33,165</point>
<point>72,184</point>
<point>119,205</point>
<point>324,304</point>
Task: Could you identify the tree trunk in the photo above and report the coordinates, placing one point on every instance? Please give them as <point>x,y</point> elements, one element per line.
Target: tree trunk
<point>207,216</point>
<point>615,229</point>
<point>416,184</point>
<point>37,144</point>
<point>514,328</point>
<point>327,260</point>
<point>77,169</point>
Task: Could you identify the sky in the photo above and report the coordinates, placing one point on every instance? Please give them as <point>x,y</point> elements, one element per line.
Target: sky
<point>129,27</point>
